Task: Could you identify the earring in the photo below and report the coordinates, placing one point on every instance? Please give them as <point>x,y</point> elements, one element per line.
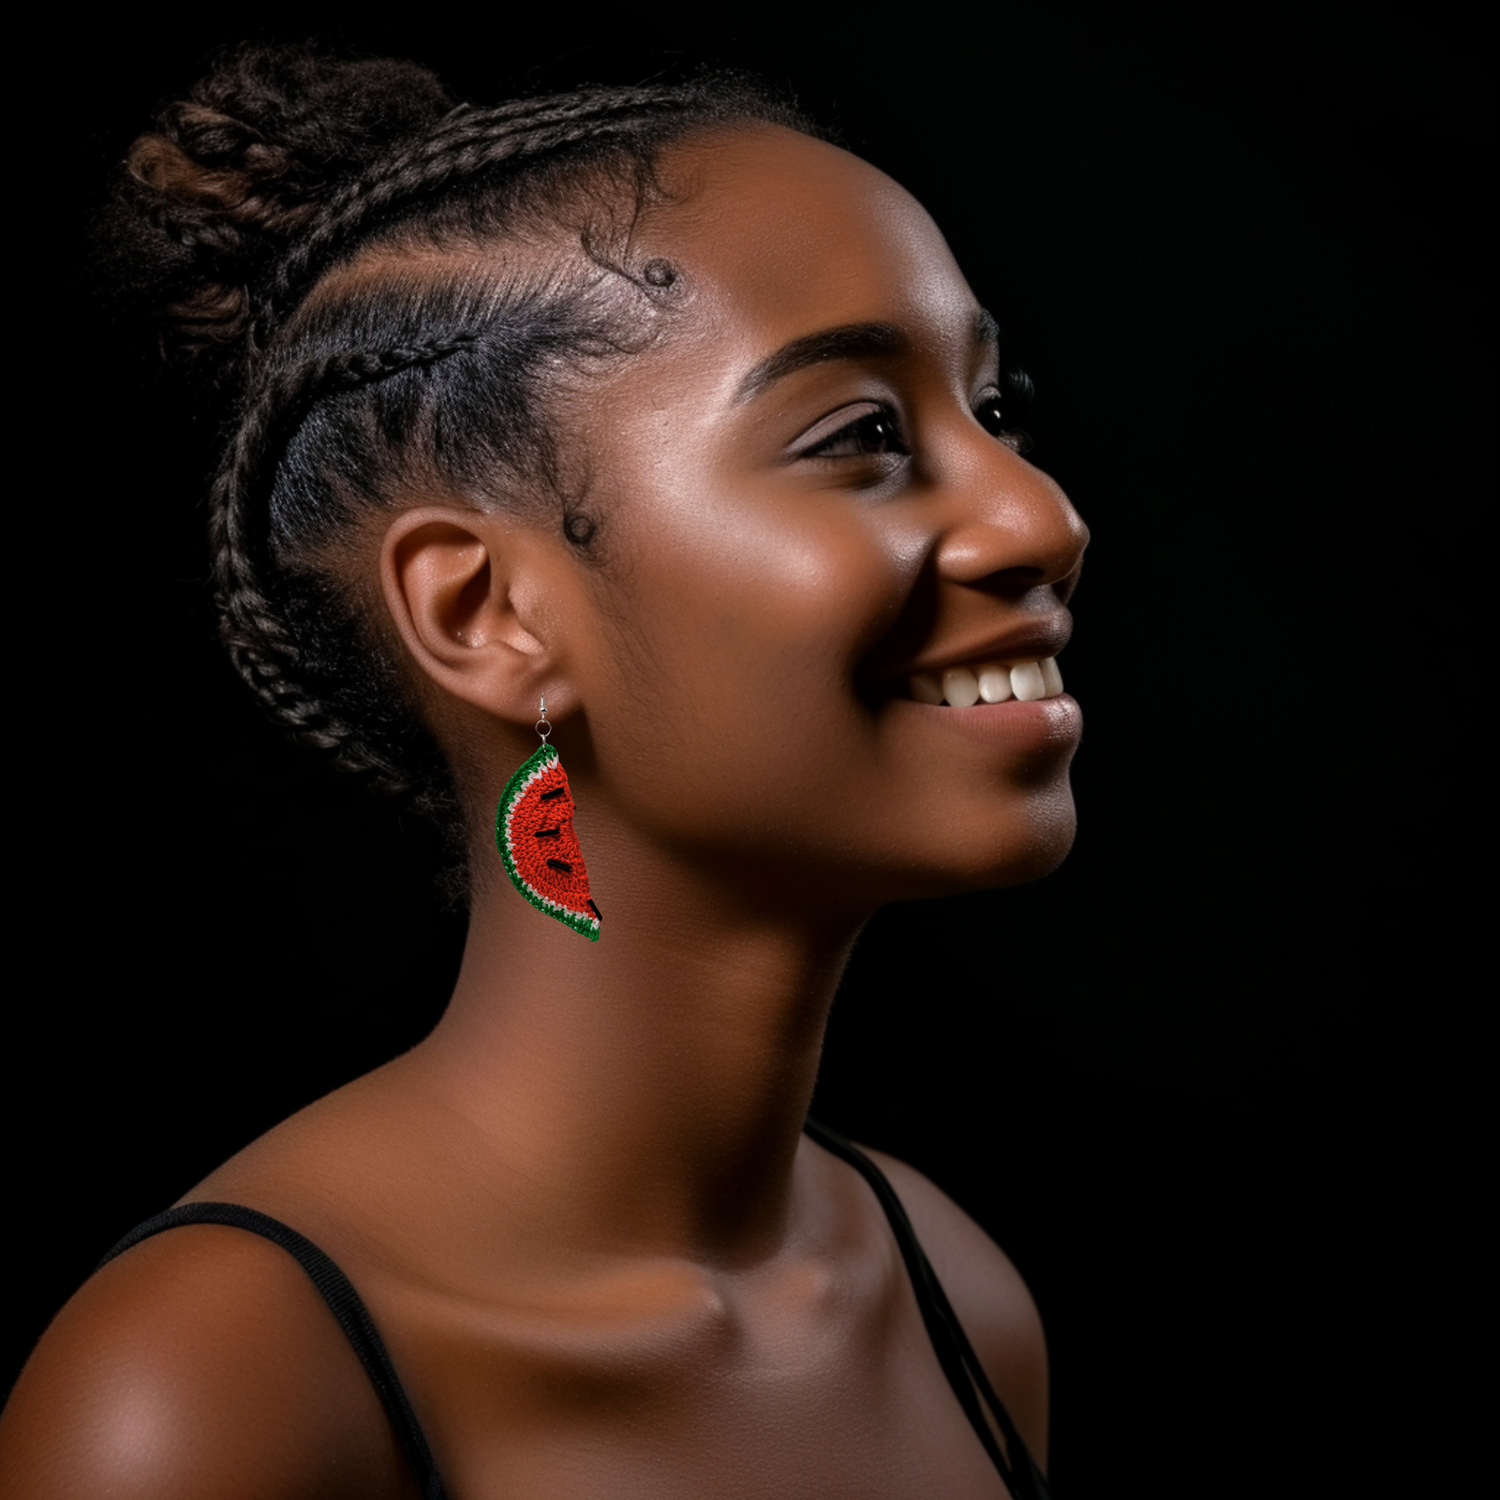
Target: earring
<point>534,833</point>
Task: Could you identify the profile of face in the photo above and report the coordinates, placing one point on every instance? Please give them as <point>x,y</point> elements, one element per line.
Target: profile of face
<point>590,1185</point>
<point>807,501</point>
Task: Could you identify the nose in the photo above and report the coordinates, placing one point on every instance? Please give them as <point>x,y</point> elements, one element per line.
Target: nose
<point>1011,528</point>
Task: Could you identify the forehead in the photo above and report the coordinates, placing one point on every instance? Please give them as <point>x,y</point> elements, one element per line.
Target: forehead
<point>780,235</point>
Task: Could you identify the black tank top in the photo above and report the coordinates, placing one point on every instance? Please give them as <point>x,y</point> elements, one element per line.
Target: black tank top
<point>955,1354</point>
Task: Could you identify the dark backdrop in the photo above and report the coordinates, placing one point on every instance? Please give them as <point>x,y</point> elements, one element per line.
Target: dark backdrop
<point>1236,261</point>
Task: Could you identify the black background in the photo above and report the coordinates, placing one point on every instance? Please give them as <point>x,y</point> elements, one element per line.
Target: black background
<point>1189,1081</point>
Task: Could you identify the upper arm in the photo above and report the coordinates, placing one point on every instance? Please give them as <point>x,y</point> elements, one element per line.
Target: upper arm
<point>989,1296</point>
<point>201,1364</point>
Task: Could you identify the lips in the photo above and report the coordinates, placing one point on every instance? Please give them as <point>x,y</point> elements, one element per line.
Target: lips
<point>988,682</point>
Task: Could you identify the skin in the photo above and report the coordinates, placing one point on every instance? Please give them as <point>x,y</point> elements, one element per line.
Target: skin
<point>582,1212</point>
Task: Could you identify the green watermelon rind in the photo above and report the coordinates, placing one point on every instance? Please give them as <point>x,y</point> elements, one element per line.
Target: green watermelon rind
<point>527,772</point>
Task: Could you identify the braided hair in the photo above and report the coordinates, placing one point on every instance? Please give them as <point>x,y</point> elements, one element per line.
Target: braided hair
<point>346,391</point>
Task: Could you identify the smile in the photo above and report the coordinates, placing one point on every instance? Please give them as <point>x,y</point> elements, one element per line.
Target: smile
<point>988,682</point>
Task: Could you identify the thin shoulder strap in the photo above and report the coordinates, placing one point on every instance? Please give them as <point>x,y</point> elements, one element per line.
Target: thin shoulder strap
<point>343,1302</point>
<point>955,1354</point>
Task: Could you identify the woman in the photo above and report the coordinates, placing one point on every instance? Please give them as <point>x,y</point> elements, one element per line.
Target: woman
<point>648,422</point>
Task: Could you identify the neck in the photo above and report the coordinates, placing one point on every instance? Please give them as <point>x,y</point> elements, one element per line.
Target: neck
<point>663,1073</point>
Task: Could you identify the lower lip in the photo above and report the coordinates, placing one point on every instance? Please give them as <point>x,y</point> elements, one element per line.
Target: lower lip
<point>1043,723</point>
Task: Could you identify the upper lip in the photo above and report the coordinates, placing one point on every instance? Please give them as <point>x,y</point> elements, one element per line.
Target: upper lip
<point>1027,640</point>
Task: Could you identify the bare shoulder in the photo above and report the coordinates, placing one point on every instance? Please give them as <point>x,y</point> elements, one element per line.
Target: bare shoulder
<point>201,1362</point>
<point>992,1301</point>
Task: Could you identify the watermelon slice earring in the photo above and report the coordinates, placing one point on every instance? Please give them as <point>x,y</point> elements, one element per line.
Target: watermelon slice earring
<point>534,833</point>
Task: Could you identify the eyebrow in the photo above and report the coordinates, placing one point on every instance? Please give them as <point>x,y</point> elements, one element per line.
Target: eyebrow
<point>851,341</point>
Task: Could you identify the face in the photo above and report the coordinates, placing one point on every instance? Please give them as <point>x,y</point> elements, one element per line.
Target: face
<point>808,519</point>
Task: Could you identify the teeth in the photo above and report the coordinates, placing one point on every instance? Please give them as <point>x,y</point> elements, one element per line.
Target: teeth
<point>994,684</point>
<point>1026,682</point>
<point>962,687</point>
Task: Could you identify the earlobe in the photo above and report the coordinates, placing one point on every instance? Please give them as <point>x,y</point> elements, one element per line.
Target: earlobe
<point>449,576</point>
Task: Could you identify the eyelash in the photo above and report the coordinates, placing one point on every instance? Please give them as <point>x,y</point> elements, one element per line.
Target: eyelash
<point>878,432</point>
<point>879,426</point>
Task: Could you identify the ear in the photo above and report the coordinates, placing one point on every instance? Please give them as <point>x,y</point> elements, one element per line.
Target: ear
<point>468,593</point>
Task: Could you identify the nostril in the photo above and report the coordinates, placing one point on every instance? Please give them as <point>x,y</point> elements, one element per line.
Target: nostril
<point>1014,584</point>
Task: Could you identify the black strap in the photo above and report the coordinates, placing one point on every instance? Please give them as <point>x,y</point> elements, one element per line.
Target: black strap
<point>950,1343</point>
<point>343,1302</point>
<point>955,1354</point>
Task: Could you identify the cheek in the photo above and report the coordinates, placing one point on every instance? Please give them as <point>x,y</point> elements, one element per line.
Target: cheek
<point>738,634</point>
<point>730,720</point>
<point>780,598</point>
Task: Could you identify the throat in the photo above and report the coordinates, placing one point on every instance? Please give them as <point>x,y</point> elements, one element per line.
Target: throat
<point>663,1078</point>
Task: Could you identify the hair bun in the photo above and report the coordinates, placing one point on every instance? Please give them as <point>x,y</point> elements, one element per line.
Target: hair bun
<point>205,202</point>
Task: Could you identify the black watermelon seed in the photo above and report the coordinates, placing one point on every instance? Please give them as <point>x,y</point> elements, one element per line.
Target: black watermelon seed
<point>549,833</point>
<point>557,791</point>
<point>561,864</point>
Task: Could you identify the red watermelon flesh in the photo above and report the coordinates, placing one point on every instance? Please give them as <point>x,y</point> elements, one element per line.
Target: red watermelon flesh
<point>534,832</point>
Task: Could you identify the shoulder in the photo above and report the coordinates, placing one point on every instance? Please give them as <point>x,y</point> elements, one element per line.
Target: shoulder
<point>992,1301</point>
<point>200,1362</point>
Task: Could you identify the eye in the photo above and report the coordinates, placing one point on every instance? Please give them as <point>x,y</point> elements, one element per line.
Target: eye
<point>989,415</point>
<point>863,431</point>
<point>1000,414</point>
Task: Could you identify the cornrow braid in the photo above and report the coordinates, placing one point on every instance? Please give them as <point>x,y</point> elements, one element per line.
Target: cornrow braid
<point>464,144</point>
<point>263,651</point>
<point>285,163</point>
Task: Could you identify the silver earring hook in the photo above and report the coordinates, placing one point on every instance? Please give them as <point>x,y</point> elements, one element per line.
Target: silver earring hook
<point>543,728</point>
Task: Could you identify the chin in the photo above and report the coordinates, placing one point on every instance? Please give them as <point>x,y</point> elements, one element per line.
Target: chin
<point>1045,855</point>
<point>1025,849</point>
